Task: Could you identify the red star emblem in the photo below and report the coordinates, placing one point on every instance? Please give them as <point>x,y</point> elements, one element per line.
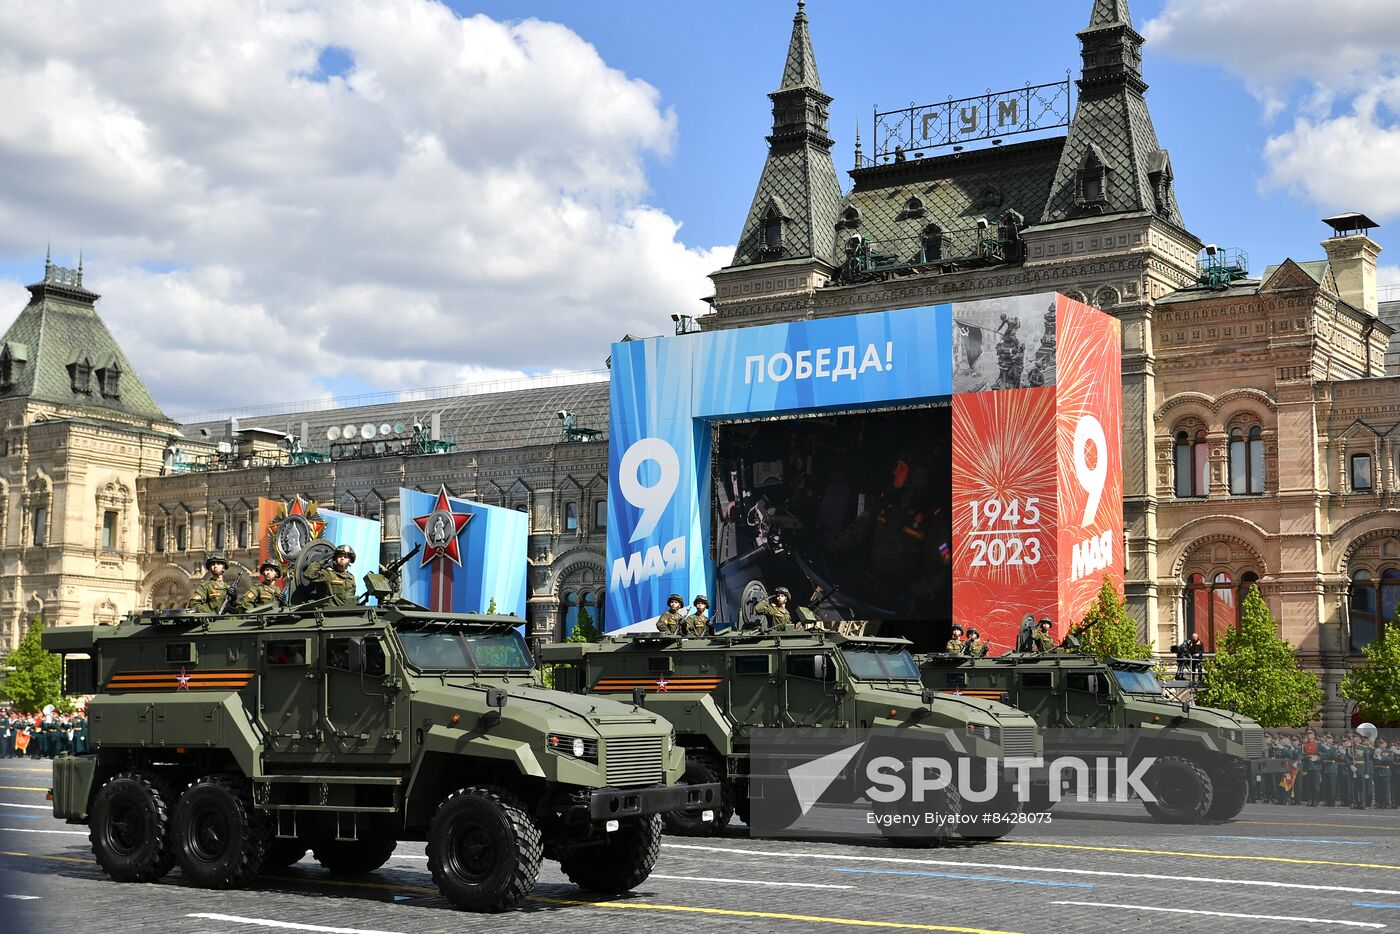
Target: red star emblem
<point>442,512</point>
<point>184,679</point>
<point>661,683</point>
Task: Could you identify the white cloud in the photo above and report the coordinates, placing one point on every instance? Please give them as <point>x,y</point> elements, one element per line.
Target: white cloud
<point>468,197</point>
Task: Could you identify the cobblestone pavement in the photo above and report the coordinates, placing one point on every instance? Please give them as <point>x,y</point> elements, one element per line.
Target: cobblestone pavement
<point>1274,869</point>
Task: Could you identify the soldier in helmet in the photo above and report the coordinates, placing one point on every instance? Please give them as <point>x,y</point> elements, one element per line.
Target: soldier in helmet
<point>697,621</point>
<point>671,621</point>
<point>1042,642</point>
<point>775,610</point>
<point>336,579</point>
<point>974,646</point>
<point>266,589</point>
<point>211,593</point>
<point>955,642</point>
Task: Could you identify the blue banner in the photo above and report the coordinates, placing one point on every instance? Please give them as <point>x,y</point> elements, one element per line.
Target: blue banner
<point>360,534</point>
<point>666,391</point>
<point>472,554</point>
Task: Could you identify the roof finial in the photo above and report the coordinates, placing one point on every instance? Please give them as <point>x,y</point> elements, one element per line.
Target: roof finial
<point>80,264</point>
<point>859,158</point>
<point>801,5</point>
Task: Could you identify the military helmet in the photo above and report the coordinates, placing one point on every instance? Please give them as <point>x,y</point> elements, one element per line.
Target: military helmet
<point>782,590</point>
<point>270,564</point>
<point>1044,621</point>
<point>215,557</point>
<point>676,597</point>
<point>957,629</point>
<point>344,550</point>
<point>973,632</point>
<point>701,598</point>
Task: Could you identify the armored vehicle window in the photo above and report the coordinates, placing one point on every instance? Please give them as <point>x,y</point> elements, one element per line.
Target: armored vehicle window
<point>874,664</point>
<point>751,664</point>
<point>453,649</point>
<point>1137,682</point>
<point>179,653</point>
<point>956,678</point>
<point>1036,679</point>
<point>661,663</point>
<point>1095,682</point>
<point>342,654</point>
<point>374,656</point>
<point>816,667</point>
<point>291,652</point>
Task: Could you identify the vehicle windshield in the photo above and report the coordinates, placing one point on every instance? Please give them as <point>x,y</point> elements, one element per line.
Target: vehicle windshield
<point>1137,682</point>
<point>452,648</point>
<point>880,664</point>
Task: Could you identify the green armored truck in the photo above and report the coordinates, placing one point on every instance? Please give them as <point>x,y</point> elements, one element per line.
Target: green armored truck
<point>1111,708</point>
<point>231,744</point>
<point>718,690</point>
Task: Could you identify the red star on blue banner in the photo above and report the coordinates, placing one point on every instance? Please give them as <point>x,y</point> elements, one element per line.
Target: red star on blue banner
<point>442,529</point>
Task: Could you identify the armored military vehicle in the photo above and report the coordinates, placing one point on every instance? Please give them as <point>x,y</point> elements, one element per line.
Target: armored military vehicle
<point>718,690</point>
<point>1089,706</point>
<point>230,744</point>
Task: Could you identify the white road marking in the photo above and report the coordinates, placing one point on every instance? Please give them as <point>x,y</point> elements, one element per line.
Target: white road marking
<point>66,833</point>
<point>1261,883</point>
<point>799,885</point>
<point>408,856</point>
<point>1230,914</point>
<point>36,807</point>
<point>288,925</point>
<point>25,898</point>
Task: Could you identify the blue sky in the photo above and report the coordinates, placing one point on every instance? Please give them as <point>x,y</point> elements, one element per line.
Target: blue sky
<point>328,197</point>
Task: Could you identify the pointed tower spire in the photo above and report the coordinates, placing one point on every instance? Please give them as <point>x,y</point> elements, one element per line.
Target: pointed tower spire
<point>794,209</point>
<point>1111,162</point>
<point>859,158</point>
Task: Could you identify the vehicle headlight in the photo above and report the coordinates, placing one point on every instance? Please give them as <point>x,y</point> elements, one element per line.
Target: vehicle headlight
<point>983,730</point>
<point>575,746</point>
<point>1230,734</point>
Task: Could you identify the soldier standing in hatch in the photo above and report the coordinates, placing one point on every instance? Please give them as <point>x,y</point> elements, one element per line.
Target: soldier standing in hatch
<point>671,621</point>
<point>974,647</point>
<point>697,622</point>
<point>212,592</point>
<point>775,610</point>
<point>266,589</point>
<point>1043,642</point>
<point>336,579</point>
<point>955,642</point>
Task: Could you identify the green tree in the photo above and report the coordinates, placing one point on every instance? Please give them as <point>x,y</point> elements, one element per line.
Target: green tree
<point>584,629</point>
<point>35,677</point>
<point>1256,672</point>
<point>1107,630</point>
<point>1375,686</point>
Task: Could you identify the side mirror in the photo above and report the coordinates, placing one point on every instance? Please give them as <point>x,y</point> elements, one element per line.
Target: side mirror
<point>496,697</point>
<point>639,697</point>
<point>1185,707</point>
<point>926,697</point>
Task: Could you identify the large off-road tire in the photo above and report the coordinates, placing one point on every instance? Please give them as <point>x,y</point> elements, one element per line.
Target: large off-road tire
<point>701,769</point>
<point>220,841</point>
<point>130,827</point>
<point>282,853</point>
<point>353,857</point>
<point>1003,804</point>
<point>620,864</point>
<point>947,802</point>
<point>484,850</point>
<point>1230,791</point>
<point>1183,791</point>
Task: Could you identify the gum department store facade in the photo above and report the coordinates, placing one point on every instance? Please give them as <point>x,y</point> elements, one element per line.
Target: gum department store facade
<point>99,514</point>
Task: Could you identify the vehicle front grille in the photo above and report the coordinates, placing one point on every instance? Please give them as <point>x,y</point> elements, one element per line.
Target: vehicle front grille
<point>1254,744</point>
<point>633,760</point>
<point>1018,740</point>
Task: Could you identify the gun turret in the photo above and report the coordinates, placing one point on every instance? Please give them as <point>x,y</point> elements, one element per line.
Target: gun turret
<point>384,586</point>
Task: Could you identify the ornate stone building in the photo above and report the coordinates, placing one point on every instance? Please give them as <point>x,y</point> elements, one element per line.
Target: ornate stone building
<point>1261,432</point>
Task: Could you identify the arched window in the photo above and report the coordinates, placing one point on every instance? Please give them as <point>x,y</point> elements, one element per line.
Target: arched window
<point>1247,580</point>
<point>1361,472</point>
<point>1246,461</point>
<point>570,602</point>
<point>1362,610</point>
<point>1192,463</point>
<point>571,517</point>
<point>568,613</point>
<point>600,515</point>
<point>1208,608</point>
<point>772,230</point>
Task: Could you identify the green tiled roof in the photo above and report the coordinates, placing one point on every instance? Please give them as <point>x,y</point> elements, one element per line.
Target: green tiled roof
<point>58,330</point>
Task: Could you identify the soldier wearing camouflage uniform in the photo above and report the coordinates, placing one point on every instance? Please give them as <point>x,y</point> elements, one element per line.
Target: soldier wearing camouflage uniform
<point>266,589</point>
<point>697,621</point>
<point>336,579</point>
<point>212,592</point>
<point>671,622</point>
<point>1043,642</point>
<point>974,646</point>
<point>955,642</point>
<point>775,610</point>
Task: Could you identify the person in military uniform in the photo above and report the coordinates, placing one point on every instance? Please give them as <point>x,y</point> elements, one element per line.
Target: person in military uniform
<point>266,589</point>
<point>80,724</point>
<point>1311,770</point>
<point>671,622</point>
<point>1361,774</point>
<point>1196,652</point>
<point>697,621</point>
<point>955,642</point>
<point>1394,776</point>
<point>974,647</point>
<point>775,610</point>
<point>7,734</point>
<point>1011,355</point>
<point>212,592</point>
<point>1330,757</point>
<point>1382,758</point>
<point>336,579</point>
<point>1042,641</point>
